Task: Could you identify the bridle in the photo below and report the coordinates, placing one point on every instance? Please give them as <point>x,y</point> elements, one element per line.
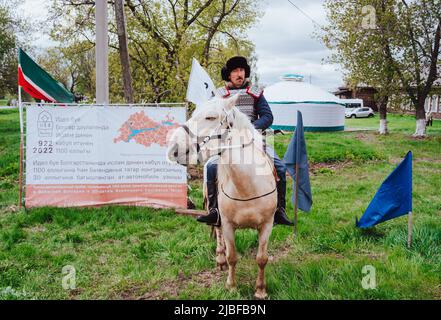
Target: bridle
<point>201,141</point>
<point>214,135</point>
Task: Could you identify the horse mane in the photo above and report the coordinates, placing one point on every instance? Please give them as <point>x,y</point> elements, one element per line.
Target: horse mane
<point>207,104</point>
<point>241,121</point>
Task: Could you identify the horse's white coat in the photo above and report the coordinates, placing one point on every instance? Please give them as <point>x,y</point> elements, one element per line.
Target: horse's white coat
<point>243,173</point>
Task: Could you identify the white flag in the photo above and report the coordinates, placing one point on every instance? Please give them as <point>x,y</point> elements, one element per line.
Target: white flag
<point>200,86</point>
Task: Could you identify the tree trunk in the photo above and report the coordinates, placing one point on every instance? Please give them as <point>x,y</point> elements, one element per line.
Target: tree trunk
<point>382,108</point>
<point>123,50</point>
<point>420,119</point>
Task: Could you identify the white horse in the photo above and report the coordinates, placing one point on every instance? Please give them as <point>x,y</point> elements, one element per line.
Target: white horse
<point>247,195</point>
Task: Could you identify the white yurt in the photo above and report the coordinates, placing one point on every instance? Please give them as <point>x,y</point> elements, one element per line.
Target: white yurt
<point>321,110</point>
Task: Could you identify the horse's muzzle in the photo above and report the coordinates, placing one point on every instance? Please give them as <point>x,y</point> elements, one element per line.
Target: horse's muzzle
<point>176,156</point>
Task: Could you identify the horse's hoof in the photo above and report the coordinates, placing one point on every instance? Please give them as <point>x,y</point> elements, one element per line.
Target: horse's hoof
<point>231,286</point>
<point>261,295</point>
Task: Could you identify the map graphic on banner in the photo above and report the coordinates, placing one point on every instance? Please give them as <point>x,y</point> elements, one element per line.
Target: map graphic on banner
<point>94,155</point>
<point>145,131</point>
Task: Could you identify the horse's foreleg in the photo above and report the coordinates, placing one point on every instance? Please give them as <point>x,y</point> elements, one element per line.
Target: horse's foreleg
<point>262,259</point>
<point>228,233</point>
<point>221,260</point>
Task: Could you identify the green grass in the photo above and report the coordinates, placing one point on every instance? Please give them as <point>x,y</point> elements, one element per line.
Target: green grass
<point>129,252</point>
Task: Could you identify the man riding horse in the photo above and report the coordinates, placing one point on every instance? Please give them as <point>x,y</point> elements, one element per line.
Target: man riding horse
<point>252,103</point>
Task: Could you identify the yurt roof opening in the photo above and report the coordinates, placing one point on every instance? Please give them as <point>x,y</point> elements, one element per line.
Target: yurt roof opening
<point>321,110</point>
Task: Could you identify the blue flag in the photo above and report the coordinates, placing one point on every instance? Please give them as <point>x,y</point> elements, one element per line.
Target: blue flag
<point>296,154</point>
<point>393,199</point>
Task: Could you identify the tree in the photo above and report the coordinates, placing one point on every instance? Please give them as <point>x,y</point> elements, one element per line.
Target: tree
<point>12,28</point>
<point>361,46</point>
<point>123,50</point>
<point>14,33</point>
<point>163,37</point>
<point>391,46</point>
<point>417,63</point>
<point>74,67</point>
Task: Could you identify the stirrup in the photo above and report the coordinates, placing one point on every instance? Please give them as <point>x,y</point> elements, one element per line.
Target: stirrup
<point>281,218</point>
<point>212,218</point>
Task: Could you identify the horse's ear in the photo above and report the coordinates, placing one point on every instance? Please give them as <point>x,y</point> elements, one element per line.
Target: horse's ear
<point>231,102</point>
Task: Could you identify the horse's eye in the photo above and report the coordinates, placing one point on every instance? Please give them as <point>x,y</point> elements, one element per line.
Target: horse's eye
<point>210,118</point>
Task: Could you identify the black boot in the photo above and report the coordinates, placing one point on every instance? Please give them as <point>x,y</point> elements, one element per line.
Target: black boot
<point>213,216</point>
<point>280,215</point>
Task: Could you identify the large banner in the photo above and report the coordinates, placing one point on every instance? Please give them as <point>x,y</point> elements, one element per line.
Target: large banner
<point>95,155</point>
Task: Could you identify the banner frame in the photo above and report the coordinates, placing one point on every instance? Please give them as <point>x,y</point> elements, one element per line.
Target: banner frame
<point>23,134</point>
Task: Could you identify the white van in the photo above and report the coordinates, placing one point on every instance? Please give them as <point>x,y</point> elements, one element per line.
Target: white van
<point>352,104</point>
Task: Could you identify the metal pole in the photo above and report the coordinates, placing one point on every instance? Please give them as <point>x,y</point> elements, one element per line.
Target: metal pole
<point>101,53</point>
<point>409,230</point>
<point>20,110</point>
<point>20,178</point>
<point>296,199</point>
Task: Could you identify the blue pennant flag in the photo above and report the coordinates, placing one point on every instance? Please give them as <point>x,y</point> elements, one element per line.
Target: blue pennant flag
<point>393,199</point>
<point>296,154</point>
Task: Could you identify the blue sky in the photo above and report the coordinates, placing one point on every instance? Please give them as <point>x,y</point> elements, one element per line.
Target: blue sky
<point>283,40</point>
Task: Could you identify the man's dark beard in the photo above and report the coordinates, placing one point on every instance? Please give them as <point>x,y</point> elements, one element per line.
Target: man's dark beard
<point>241,86</point>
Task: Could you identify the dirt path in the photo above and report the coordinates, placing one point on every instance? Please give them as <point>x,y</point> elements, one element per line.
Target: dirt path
<point>204,279</point>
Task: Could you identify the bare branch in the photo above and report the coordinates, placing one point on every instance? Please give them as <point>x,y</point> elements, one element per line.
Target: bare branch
<point>201,9</point>
<point>147,23</point>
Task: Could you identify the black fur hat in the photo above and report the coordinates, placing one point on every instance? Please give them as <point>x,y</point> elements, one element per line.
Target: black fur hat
<point>233,63</point>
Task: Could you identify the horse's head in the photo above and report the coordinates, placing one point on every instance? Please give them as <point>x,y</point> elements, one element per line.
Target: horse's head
<point>202,132</point>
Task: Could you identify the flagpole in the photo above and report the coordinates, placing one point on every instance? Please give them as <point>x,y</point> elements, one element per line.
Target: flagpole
<point>409,230</point>
<point>20,178</point>
<point>296,199</point>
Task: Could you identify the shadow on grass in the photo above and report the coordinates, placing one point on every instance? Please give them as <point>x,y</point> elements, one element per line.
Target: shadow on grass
<point>373,233</point>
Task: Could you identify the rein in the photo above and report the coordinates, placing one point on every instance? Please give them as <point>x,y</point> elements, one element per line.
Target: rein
<point>249,199</point>
<point>254,198</point>
<point>201,141</point>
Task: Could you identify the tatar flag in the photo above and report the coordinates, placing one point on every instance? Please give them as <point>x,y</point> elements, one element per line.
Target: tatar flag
<point>296,154</point>
<point>38,83</point>
<point>393,199</point>
<point>200,86</point>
